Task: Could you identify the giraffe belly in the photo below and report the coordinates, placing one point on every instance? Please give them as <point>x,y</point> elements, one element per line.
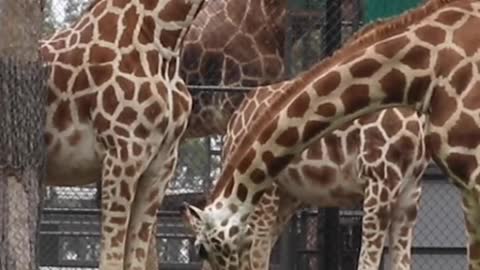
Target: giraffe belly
<point>339,188</point>
<point>335,196</point>
<point>74,164</point>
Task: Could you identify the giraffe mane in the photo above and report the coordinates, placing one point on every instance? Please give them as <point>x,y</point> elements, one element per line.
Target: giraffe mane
<point>375,32</point>
<point>365,37</point>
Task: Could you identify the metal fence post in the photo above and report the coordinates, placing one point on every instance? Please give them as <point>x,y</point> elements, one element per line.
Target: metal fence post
<point>288,246</point>
<point>332,40</point>
<point>288,42</point>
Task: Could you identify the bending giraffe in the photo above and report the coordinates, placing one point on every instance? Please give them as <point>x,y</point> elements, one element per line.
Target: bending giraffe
<point>379,158</point>
<point>203,37</point>
<point>117,108</point>
<point>345,182</point>
<point>277,206</point>
<point>425,59</point>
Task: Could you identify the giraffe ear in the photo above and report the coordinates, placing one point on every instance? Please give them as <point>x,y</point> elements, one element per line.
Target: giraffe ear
<point>193,216</point>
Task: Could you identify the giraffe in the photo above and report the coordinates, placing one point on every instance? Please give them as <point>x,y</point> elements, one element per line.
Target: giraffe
<point>260,246</point>
<point>379,158</point>
<point>117,108</point>
<point>277,206</point>
<point>232,44</point>
<point>425,59</point>
<point>268,220</point>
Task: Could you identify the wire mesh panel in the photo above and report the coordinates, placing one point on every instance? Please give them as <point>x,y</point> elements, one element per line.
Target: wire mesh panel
<point>318,27</point>
<point>22,150</point>
<point>22,122</point>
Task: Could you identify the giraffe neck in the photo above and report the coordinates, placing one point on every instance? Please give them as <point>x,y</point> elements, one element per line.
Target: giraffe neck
<point>398,70</point>
<point>215,54</point>
<point>211,112</point>
<point>143,24</point>
<point>156,24</point>
<point>165,23</point>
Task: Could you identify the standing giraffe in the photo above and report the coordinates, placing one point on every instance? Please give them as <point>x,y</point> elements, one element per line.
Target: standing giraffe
<point>426,59</point>
<point>379,158</point>
<point>233,43</point>
<point>117,108</point>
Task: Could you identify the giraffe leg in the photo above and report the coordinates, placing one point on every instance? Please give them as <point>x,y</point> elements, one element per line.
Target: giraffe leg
<point>151,190</point>
<point>260,254</point>
<point>404,217</point>
<point>262,221</point>
<point>375,223</point>
<point>287,206</point>
<point>471,207</point>
<point>152,257</point>
<point>120,174</point>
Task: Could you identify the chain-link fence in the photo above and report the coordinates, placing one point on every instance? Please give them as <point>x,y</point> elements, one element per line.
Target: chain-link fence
<point>22,121</point>
<point>313,29</point>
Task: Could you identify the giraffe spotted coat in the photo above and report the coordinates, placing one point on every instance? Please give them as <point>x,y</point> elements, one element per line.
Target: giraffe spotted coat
<point>379,159</point>
<point>117,108</point>
<point>426,59</point>
<point>232,43</point>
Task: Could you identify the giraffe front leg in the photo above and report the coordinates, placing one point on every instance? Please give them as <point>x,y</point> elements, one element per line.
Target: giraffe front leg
<point>375,223</point>
<point>150,193</point>
<point>262,222</point>
<point>121,172</point>
<point>471,208</point>
<point>152,256</point>
<point>285,207</point>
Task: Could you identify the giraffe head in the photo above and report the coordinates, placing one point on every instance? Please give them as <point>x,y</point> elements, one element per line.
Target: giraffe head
<point>229,246</point>
<point>221,249</point>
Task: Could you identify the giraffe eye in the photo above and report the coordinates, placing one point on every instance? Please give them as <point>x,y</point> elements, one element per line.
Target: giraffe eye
<point>202,252</point>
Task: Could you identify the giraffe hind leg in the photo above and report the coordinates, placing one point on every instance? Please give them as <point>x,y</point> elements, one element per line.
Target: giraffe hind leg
<point>120,175</point>
<point>152,256</point>
<point>375,223</point>
<point>471,208</point>
<point>150,193</point>
<point>404,216</point>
